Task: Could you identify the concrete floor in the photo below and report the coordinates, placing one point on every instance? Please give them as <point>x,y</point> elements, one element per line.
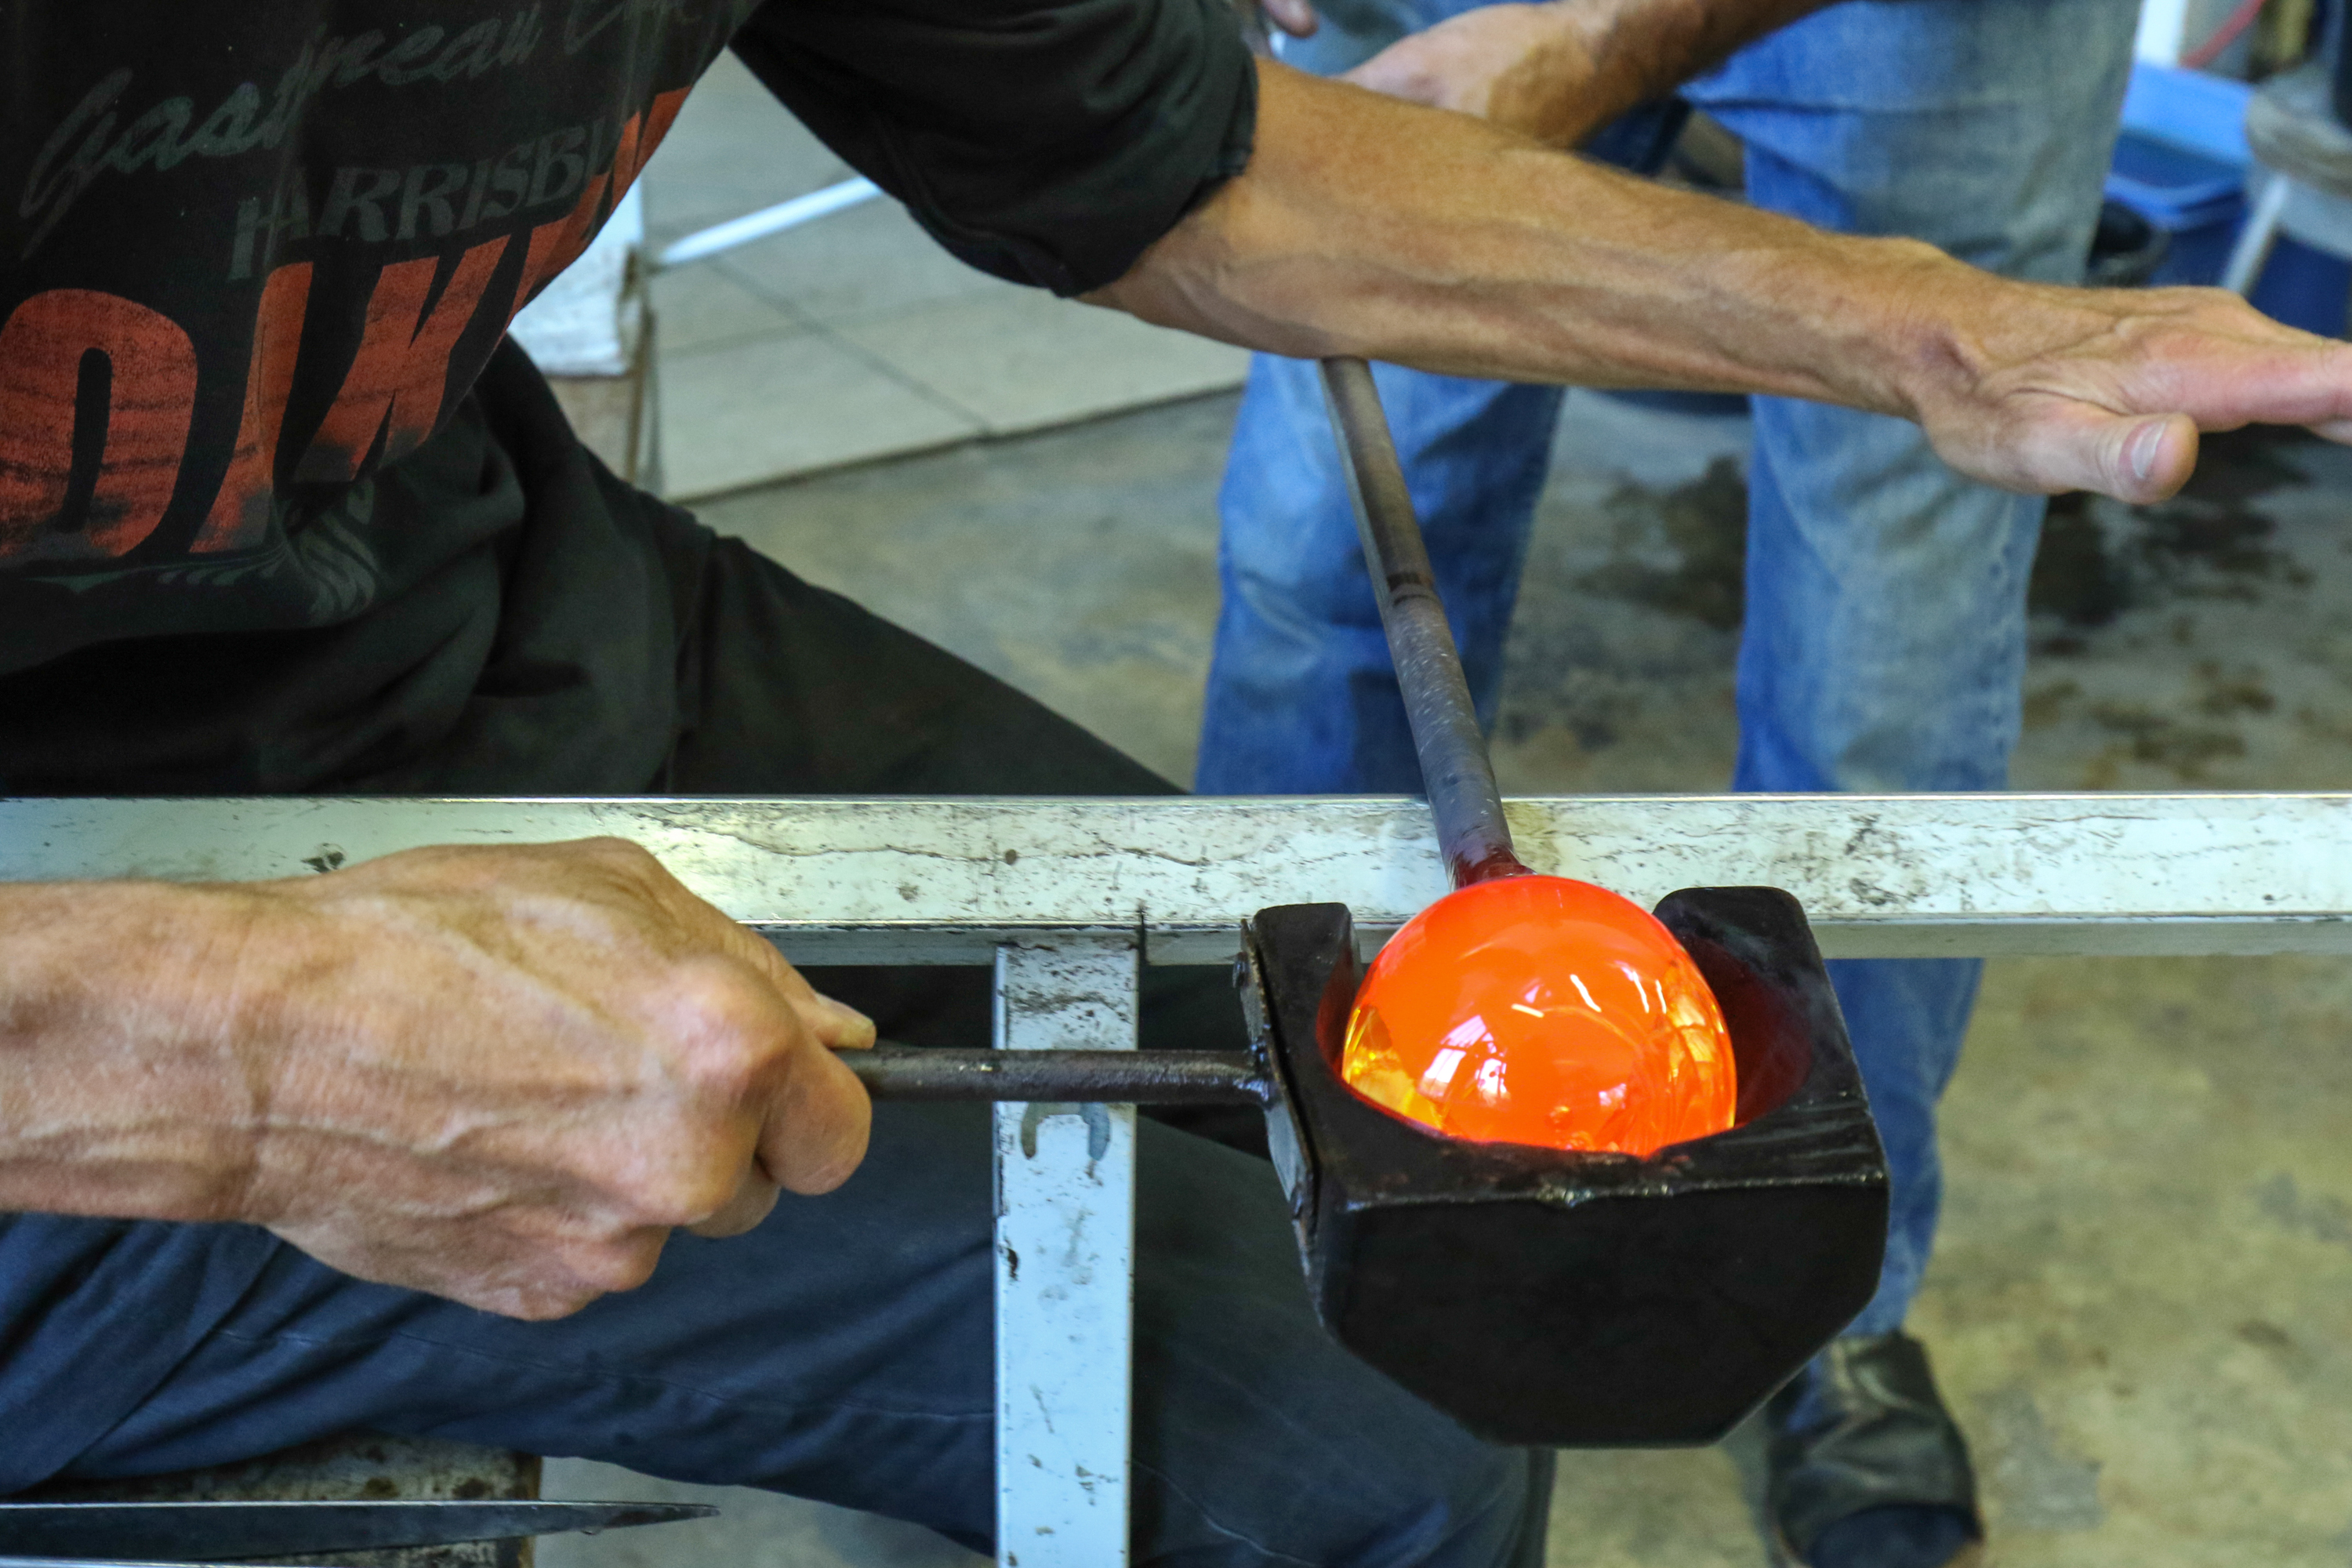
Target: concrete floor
<point>2141,1306</point>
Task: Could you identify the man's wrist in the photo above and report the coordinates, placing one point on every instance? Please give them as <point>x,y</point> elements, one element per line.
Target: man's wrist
<point>127,1083</point>
<point>1957,327</point>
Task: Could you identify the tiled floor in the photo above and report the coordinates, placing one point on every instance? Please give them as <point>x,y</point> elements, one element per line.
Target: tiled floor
<point>857,337</point>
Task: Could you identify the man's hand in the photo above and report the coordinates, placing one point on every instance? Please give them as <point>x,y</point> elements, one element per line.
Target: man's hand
<point>1529,68</point>
<point>501,1075</point>
<point>1295,17</point>
<point>1561,70</point>
<point>2043,389</point>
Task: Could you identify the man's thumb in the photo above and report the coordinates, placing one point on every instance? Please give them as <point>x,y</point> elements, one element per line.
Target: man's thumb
<point>2145,458</point>
<point>2072,446</point>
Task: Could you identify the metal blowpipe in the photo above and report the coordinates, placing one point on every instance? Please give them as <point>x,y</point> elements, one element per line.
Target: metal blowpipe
<point>1455,767</point>
<point>1120,1077</point>
<point>1460,779</point>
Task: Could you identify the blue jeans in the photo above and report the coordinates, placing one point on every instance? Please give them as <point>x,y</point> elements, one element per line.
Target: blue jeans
<point>845,1349</point>
<point>1886,612</point>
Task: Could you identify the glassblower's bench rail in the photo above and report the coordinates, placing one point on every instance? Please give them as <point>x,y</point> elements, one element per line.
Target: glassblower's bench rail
<point>1066,896</point>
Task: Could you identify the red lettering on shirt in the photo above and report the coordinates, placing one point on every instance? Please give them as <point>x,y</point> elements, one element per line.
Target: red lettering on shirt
<point>629,158</point>
<point>402,369</point>
<point>556,246</point>
<point>51,343</point>
<point>240,512</point>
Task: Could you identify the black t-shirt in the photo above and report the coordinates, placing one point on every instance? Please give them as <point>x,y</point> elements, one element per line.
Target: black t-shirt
<point>264,523</point>
<point>279,511</point>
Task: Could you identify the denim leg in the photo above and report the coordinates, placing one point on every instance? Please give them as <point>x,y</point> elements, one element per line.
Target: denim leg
<point>1885,640</point>
<point>1302,698</point>
<point>841,1350</point>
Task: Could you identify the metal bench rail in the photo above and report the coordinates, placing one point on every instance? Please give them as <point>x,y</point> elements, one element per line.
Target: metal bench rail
<point>1065,895</point>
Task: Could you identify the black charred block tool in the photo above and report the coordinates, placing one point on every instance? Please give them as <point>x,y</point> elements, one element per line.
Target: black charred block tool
<point>1572,1299</point>
<point>1538,1296</point>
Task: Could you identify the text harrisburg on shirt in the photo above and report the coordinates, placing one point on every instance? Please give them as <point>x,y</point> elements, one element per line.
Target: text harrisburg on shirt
<point>250,253</point>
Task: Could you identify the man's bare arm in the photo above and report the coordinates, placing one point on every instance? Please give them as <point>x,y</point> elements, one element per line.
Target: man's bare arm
<point>1560,69</point>
<point>503,1075</point>
<point>1366,226</point>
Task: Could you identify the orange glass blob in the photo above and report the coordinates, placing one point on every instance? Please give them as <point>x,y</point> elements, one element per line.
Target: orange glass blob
<point>1542,1010</point>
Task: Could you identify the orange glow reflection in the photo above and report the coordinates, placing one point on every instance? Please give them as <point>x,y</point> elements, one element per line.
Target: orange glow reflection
<point>1545,1011</point>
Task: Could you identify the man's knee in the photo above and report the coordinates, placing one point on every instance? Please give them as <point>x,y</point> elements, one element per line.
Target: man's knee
<point>1258,1440</point>
<point>1457,1503</point>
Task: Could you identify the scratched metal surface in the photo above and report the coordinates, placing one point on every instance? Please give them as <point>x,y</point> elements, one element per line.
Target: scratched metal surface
<point>1064,1265</point>
<point>931,881</point>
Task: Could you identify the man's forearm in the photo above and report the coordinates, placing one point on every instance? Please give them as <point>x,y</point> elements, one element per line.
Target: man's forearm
<point>1367,226</point>
<point>119,1091</point>
<point>1370,227</point>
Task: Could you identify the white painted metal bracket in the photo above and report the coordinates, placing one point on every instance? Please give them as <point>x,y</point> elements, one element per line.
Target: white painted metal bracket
<point>1064,1265</point>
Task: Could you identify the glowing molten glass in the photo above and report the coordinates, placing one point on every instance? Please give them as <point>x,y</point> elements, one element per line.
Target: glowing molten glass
<point>1540,1010</point>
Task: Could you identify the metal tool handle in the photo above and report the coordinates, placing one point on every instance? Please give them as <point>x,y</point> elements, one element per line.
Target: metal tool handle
<point>1454,768</point>
<point>1119,1077</point>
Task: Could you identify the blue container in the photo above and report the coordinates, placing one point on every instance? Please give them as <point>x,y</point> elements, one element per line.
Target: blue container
<point>2190,109</point>
<point>2181,163</point>
<point>2200,202</point>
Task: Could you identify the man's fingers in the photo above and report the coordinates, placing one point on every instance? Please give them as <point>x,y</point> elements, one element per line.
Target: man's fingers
<point>816,1132</point>
<point>849,1030</point>
<point>834,1024</point>
<point>752,1203</point>
<point>1295,17</point>
<point>2252,370</point>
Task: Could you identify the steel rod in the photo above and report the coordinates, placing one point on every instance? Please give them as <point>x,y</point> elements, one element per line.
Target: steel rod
<point>1455,770</point>
<point>290,1526</point>
<point>1119,1077</point>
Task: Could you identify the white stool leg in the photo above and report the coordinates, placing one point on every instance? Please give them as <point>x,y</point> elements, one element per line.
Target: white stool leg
<point>2254,241</point>
<point>1064,1266</point>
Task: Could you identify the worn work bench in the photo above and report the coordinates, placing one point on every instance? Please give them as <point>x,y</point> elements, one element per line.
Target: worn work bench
<point>1066,896</point>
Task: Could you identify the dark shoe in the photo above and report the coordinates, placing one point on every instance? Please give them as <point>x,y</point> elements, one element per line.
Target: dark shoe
<point>1864,1465</point>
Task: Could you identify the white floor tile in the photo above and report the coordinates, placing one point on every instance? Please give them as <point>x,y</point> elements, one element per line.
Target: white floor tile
<point>761,410</point>
<point>1023,360</point>
<point>867,261</point>
<point>703,307</point>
